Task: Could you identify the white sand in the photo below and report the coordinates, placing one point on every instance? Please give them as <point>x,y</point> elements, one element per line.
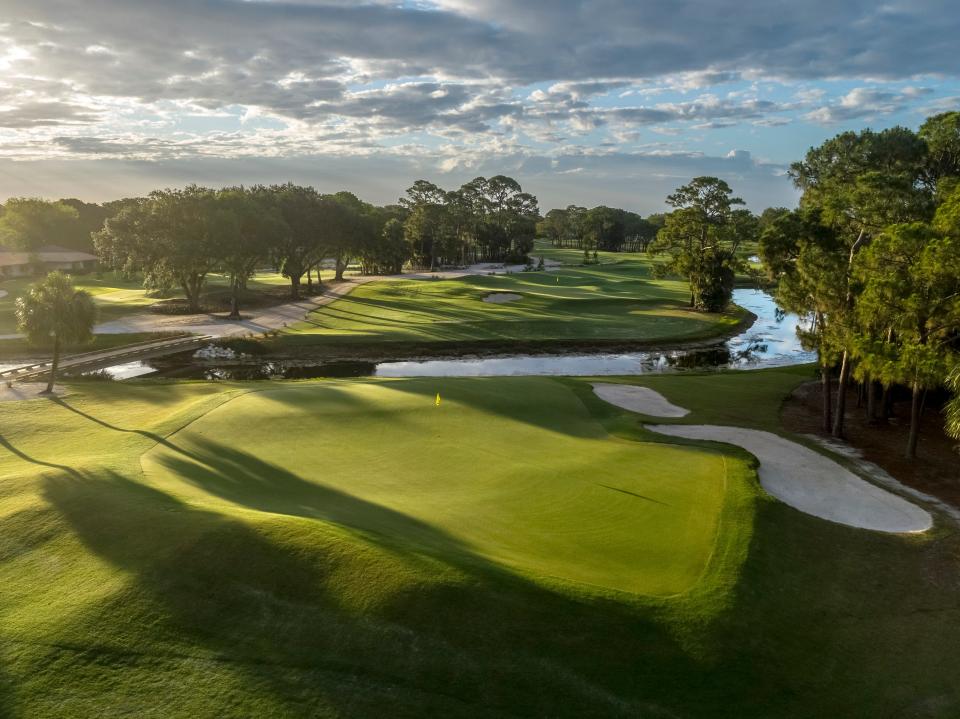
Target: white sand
<point>638,399</point>
<point>3,293</point>
<point>794,474</point>
<point>813,483</point>
<point>499,298</point>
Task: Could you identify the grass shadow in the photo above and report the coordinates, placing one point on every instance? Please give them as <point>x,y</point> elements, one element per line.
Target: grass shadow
<point>463,639</point>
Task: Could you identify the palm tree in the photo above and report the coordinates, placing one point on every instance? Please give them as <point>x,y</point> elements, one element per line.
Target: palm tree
<point>55,310</point>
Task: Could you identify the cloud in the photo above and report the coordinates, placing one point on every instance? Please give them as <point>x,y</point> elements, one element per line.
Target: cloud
<point>46,114</point>
<point>867,102</point>
<point>633,180</point>
<point>458,82</point>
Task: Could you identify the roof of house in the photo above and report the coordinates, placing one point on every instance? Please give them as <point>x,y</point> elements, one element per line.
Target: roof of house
<point>47,253</point>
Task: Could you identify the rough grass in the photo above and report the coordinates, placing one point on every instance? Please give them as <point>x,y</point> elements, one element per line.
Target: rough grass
<point>182,595</point>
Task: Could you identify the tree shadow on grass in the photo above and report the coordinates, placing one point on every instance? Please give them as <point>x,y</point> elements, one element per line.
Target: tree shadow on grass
<point>8,692</point>
<point>838,621</point>
<point>245,480</point>
<point>463,639</point>
<point>350,621</point>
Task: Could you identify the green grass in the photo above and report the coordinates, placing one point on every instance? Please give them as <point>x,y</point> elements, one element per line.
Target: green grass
<point>117,296</point>
<point>616,515</point>
<point>614,303</point>
<point>161,557</point>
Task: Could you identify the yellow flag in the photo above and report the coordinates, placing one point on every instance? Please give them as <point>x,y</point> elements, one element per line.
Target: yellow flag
<point>437,402</point>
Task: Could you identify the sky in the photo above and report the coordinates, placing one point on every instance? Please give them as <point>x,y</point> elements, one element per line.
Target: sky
<point>586,102</point>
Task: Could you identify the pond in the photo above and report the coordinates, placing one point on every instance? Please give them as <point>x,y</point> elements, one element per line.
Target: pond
<point>770,342</point>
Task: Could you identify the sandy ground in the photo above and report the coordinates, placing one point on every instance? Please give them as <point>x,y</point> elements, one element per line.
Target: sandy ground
<point>880,476</point>
<point>794,474</point>
<point>500,298</point>
<point>638,399</point>
<point>26,390</point>
<point>813,483</point>
<point>3,293</point>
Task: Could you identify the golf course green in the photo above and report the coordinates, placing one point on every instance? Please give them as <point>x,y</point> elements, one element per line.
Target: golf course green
<point>331,548</point>
<point>565,502</point>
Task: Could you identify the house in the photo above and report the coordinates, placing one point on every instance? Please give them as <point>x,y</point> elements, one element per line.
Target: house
<point>16,263</point>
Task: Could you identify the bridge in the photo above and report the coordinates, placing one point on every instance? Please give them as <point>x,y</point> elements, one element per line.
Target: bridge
<point>90,361</point>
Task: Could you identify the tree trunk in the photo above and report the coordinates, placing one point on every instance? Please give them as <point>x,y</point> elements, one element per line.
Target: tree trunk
<point>53,366</point>
<point>871,387</point>
<point>841,396</point>
<point>825,391</point>
<point>310,280</point>
<point>340,268</point>
<point>295,286</point>
<point>234,298</point>
<point>915,410</point>
<point>886,402</point>
<point>191,288</point>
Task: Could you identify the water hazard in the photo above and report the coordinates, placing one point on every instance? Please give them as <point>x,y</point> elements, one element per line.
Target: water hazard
<point>771,342</point>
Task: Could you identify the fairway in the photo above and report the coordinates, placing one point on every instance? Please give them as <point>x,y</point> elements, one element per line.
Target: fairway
<point>615,302</point>
<point>539,487</point>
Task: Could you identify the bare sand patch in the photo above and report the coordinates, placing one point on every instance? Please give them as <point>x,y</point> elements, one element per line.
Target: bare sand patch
<point>499,298</point>
<point>638,399</point>
<point>813,483</point>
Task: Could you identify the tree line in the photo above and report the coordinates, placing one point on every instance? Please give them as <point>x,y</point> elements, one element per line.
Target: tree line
<point>28,223</point>
<point>599,228</point>
<point>872,257</point>
<point>177,238</point>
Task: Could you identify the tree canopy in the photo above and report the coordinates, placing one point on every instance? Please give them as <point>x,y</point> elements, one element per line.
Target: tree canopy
<point>54,312</point>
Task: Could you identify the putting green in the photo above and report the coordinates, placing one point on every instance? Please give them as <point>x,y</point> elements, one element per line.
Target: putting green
<point>515,471</point>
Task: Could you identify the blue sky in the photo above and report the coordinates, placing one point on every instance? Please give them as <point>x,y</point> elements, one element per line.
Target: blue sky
<point>583,101</point>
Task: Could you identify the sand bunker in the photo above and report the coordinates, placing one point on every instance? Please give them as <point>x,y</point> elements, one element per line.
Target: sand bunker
<point>638,399</point>
<point>499,298</point>
<point>813,483</point>
<point>794,474</point>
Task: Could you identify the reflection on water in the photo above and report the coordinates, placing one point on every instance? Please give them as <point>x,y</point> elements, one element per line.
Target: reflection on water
<point>771,342</point>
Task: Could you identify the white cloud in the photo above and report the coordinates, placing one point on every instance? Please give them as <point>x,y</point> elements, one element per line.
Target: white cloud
<point>866,102</point>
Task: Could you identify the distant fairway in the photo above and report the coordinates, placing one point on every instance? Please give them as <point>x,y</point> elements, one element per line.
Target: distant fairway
<point>534,483</point>
<point>616,302</point>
